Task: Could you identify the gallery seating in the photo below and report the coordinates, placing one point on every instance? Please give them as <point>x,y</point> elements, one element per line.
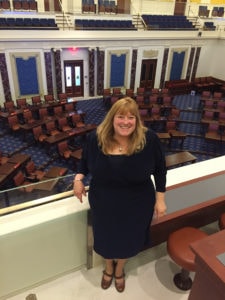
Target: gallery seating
<point>28,23</point>
<point>167,22</point>
<point>102,24</point>
<point>203,11</point>
<point>209,26</point>
<point>88,6</point>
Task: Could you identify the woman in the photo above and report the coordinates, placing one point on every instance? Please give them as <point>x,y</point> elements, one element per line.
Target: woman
<point>120,156</point>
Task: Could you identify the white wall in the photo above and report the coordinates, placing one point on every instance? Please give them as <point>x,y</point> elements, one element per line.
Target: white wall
<point>44,242</point>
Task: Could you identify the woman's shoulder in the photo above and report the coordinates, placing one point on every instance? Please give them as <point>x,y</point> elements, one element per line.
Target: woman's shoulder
<point>92,137</point>
<point>150,134</point>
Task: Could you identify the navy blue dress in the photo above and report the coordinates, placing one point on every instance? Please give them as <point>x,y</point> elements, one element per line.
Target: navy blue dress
<point>122,195</point>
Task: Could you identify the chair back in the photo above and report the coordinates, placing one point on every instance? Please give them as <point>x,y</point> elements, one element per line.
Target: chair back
<point>217,95</point>
<point>69,107</point>
<point>27,115</point>
<point>153,99</point>
<point>213,127</point>
<point>43,112</point>
<point>30,167</point>
<point>171,125</point>
<point>36,100</point>
<point>62,147</point>
<point>21,103</point>
<point>37,131</point>
<point>206,94</point>
<point>58,110</point>
<point>49,98</point>
<point>18,179</point>
<point>9,106</point>
<point>140,91</point>
<point>13,120</point>
<point>50,125</point>
<point>62,97</point>
<point>77,120</point>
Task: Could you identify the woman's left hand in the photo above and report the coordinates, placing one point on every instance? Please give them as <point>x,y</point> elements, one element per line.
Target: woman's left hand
<point>160,205</point>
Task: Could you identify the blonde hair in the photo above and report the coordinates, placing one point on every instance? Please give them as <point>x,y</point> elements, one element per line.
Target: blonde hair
<point>105,131</point>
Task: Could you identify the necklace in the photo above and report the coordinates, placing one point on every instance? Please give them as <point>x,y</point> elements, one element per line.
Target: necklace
<point>120,149</point>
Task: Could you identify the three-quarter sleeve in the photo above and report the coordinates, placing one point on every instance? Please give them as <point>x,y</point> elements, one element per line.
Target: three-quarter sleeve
<point>89,153</point>
<point>160,170</point>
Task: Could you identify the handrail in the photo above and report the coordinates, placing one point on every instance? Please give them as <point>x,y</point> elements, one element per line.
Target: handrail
<point>37,202</point>
<point>65,16</point>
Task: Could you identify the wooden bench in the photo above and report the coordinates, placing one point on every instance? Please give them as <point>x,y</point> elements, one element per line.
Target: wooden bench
<point>180,158</point>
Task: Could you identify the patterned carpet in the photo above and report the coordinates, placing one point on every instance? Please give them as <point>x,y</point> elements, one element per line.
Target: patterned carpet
<point>95,111</point>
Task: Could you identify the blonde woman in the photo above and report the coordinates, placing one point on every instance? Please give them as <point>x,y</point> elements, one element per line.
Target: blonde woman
<point>121,156</point>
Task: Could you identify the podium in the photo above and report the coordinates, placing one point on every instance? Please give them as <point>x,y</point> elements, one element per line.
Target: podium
<point>209,281</point>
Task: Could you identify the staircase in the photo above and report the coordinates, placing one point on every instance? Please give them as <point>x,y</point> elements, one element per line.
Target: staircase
<point>64,21</point>
<point>138,22</point>
<point>195,22</point>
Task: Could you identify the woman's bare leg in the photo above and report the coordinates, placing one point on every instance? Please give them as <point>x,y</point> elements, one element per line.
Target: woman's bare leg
<point>120,267</point>
<point>119,275</point>
<point>109,267</point>
<point>108,274</point>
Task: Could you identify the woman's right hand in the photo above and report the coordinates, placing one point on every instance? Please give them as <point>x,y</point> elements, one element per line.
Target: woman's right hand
<point>79,189</point>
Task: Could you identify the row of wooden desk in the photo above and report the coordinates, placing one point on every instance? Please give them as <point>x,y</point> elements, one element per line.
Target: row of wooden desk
<point>35,107</point>
<point>75,132</point>
<point>9,169</point>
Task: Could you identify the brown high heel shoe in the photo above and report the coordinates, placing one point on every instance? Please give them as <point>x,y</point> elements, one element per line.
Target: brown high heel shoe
<point>120,286</point>
<point>105,284</point>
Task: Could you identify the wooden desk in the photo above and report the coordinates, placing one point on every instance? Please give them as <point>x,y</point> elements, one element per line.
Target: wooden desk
<point>179,159</point>
<point>19,158</point>
<point>209,281</point>
<point>53,140</point>
<point>188,206</point>
<point>7,171</point>
<point>178,135</point>
<point>55,172</point>
<point>45,184</point>
<point>164,136</point>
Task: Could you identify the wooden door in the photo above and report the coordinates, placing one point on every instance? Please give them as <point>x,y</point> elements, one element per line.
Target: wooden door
<point>148,70</point>
<point>180,6</point>
<point>74,83</point>
<point>123,6</point>
<point>53,5</point>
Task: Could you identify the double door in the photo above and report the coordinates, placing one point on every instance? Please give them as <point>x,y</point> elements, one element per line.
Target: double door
<point>74,86</point>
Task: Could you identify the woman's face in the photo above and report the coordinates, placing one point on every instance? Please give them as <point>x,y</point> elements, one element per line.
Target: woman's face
<point>124,124</point>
